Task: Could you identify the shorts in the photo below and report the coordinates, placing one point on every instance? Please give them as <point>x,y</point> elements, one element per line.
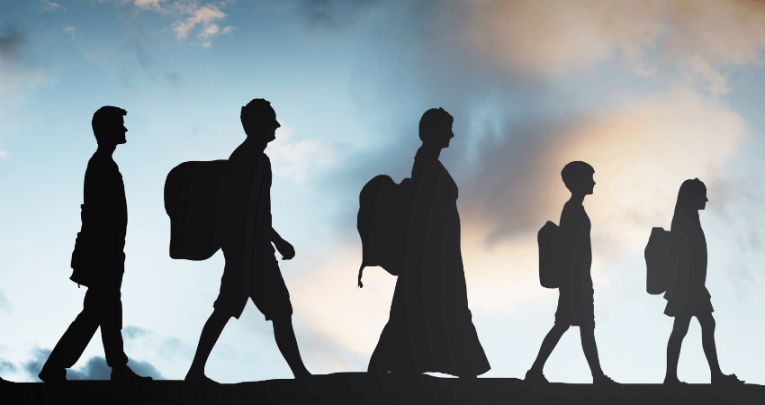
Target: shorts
<point>264,285</point>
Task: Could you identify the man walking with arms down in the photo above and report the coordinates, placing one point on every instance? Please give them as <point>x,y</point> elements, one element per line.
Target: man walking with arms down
<point>246,240</point>
<point>575,303</point>
<point>98,260</point>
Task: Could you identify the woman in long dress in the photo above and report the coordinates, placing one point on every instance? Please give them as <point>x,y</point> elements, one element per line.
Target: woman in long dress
<point>430,328</point>
<point>687,296</point>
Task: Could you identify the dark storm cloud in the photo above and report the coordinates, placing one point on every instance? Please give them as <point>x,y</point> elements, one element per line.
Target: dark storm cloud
<point>33,366</point>
<point>134,332</point>
<point>94,369</point>
<point>4,304</point>
<point>12,43</point>
<point>333,15</point>
<point>7,367</point>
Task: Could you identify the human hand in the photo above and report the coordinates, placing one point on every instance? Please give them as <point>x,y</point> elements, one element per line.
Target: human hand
<point>285,249</point>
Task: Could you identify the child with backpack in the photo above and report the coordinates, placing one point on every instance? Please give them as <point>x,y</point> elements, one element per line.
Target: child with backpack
<point>686,295</point>
<point>573,261</point>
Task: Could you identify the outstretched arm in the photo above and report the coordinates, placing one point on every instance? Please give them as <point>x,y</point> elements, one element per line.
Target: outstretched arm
<point>284,247</point>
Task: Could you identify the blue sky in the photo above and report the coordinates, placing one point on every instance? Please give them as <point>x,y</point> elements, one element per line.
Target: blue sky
<point>650,94</point>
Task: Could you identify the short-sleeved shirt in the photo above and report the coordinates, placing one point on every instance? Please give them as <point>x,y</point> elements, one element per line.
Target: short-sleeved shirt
<point>250,273</point>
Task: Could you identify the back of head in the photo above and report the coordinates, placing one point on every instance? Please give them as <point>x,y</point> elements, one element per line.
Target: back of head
<point>691,191</point>
<point>432,121</point>
<point>574,171</point>
<point>105,120</point>
<point>254,108</point>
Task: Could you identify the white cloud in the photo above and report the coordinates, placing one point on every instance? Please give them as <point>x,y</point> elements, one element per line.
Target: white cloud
<point>72,31</point>
<point>51,6</point>
<point>3,154</point>
<point>296,160</point>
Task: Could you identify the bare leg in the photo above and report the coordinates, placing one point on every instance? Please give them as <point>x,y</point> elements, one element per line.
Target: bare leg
<point>210,334</point>
<point>287,343</point>
<point>590,349</point>
<point>548,344</point>
<point>679,330</point>
<point>707,322</point>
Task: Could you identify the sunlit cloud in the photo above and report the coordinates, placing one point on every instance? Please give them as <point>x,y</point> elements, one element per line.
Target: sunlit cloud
<point>553,37</point>
<point>194,16</point>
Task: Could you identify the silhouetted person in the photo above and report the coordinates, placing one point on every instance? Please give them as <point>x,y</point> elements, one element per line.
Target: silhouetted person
<point>251,269</point>
<point>98,260</point>
<point>575,302</point>
<point>686,295</point>
<point>430,328</point>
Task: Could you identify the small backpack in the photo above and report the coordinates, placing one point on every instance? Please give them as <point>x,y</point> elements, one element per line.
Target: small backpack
<point>549,255</point>
<point>383,221</point>
<point>659,261</point>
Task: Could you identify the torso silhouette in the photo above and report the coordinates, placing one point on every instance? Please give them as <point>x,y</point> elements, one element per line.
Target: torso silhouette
<point>687,294</point>
<point>104,217</point>
<point>575,306</point>
<point>249,168</point>
<point>430,326</point>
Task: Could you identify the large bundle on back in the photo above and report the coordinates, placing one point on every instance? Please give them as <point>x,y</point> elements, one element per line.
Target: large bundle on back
<point>383,222</point>
<point>193,200</point>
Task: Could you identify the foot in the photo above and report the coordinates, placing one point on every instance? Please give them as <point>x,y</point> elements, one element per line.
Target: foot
<point>674,382</point>
<point>729,380</point>
<point>52,375</point>
<point>198,378</point>
<point>604,380</point>
<point>126,374</point>
<point>535,378</point>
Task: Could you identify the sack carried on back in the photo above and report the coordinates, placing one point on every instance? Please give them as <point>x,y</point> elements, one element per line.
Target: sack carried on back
<point>193,201</point>
<point>383,223</point>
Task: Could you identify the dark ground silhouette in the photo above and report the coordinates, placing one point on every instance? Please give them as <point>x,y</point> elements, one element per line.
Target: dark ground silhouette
<point>687,296</point>
<point>575,302</point>
<point>430,326</point>
<point>98,261</point>
<point>359,388</point>
<point>246,237</point>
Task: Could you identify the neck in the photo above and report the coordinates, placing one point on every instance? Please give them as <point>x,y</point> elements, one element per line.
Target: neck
<point>255,143</point>
<point>577,198</point>
<point>430,149</point>
<point>107,150</point>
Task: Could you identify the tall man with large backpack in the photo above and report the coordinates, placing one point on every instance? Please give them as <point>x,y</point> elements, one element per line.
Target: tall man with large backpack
<point>573,258</point>
<point>246,240</point>
<point>98,260</point>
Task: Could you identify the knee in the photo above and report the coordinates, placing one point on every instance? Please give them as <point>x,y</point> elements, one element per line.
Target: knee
<point>560,329</point>
<point>708,324</point>
<point>679,331</point>
<point>219,316</point>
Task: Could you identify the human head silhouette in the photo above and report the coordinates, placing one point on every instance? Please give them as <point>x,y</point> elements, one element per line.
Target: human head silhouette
<point>109,126</point>
<point>436,127</point>
<point>692,195</point>
<point>577,176</point>
<point>259,120</point>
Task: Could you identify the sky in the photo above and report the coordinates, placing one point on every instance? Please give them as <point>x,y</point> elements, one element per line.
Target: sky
<point>650,93</point>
